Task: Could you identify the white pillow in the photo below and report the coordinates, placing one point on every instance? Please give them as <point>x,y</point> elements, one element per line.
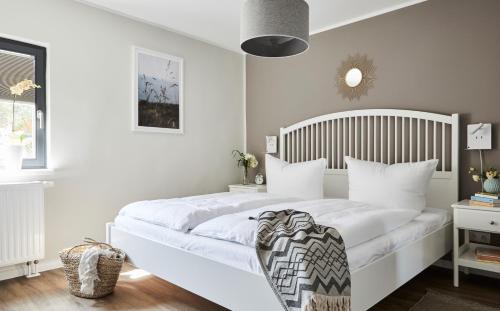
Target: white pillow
<point>402,185</point>
<point>302,180</point>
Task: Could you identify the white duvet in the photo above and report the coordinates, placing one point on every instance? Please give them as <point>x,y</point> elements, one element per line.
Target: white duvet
<point>356,222</point>
<point>183,214</point>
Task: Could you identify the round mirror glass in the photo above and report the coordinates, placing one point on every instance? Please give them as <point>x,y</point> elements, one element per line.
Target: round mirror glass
<point>353,77</point>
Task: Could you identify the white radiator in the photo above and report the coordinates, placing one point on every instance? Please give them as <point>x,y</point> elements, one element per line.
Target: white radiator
<point>22,234</point>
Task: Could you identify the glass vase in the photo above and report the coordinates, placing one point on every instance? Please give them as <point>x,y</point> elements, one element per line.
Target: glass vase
<point>245,175</point>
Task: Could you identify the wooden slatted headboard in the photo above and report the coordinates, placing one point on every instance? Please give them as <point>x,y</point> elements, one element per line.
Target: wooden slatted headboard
<point>379,135</point>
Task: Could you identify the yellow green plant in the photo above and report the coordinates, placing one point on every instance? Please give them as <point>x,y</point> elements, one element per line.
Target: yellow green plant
<point>18,90</point>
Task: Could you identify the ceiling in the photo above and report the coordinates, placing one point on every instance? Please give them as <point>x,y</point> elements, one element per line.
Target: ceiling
<point>217,21</point>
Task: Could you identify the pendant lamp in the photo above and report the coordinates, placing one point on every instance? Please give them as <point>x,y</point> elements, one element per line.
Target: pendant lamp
<point>275,28</point>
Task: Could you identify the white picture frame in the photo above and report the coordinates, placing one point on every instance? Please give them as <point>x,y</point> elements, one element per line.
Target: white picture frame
<point>148,65</point>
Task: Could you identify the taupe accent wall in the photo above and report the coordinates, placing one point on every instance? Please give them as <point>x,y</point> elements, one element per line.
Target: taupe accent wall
<point>439,56</point>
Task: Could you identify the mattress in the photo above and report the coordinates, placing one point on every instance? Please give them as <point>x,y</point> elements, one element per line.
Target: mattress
<point>244,257</point>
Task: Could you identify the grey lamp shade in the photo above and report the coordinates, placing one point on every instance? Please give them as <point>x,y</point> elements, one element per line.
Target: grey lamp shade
<point>275,28</point>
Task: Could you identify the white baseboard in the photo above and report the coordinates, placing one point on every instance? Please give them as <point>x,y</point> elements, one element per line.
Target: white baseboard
<point>447,264</point>
<point>15,271</point>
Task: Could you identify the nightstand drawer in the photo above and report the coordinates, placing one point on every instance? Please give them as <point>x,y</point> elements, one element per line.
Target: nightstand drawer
<point>247,188</point>
<point>479,220</point>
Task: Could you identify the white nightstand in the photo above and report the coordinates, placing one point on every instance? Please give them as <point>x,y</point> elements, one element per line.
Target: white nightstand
<point>477,218</point>
<point>247,188</point>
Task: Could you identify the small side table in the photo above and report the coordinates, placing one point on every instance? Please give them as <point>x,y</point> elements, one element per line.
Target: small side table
<point>467,216</point>
<point>247,188</point>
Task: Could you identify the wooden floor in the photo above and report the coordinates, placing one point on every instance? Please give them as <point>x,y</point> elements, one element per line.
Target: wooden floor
<point>133,292</point>
<point>145,292</point>
<point>484,290</point>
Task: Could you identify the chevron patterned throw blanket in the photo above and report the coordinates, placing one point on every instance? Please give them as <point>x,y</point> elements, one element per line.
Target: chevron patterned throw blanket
<point>305,264</point>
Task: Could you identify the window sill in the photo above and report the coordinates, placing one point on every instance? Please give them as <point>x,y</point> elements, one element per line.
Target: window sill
<point>26,175</point>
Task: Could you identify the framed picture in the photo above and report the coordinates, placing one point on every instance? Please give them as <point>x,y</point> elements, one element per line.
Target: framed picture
<point>157,92</point>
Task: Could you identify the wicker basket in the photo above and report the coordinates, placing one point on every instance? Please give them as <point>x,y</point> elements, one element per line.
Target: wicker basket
<point>108,269</point>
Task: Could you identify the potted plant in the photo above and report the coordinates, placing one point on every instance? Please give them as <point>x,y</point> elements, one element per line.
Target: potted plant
<point>246,160</point>
<point>489,179</point>
<point>14,148</point>
<point>14,140</point>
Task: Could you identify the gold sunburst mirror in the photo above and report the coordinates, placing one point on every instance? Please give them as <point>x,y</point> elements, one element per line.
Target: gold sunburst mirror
<point>355,76</point>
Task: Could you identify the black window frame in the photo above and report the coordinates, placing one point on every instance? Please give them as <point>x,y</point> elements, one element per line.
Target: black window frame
<point>40,55</point>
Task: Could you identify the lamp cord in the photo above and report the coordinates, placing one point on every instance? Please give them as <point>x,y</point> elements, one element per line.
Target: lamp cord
<point>482,173</point>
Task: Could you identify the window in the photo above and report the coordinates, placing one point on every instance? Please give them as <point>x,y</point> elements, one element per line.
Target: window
<point>22,117</point>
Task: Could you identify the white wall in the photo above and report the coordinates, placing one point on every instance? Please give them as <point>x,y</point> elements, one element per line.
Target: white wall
<point>99,164</point>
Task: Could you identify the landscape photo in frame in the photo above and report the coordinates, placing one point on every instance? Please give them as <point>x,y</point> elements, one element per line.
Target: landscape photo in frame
<point>158,100</point>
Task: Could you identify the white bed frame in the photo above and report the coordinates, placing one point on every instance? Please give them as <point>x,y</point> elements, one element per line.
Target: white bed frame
<point>382,135</point>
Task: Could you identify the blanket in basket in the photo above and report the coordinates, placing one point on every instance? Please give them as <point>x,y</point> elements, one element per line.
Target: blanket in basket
<point>305,264</point>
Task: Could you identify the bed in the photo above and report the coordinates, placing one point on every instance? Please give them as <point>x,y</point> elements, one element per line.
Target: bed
<point>228,274</point>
